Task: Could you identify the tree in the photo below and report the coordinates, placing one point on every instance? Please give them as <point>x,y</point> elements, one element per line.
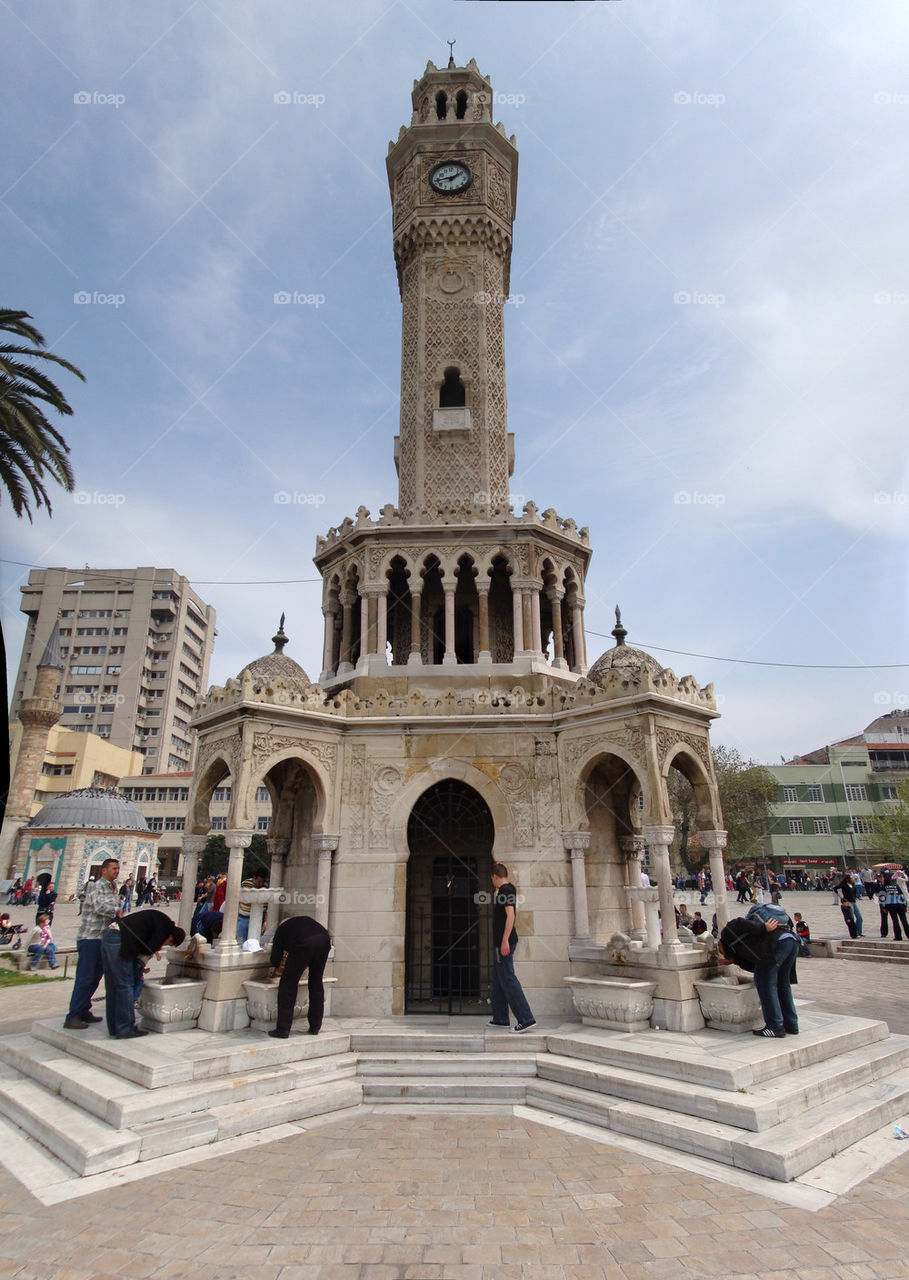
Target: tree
<point>215,857</point>
<point>891,825</point>
<point>746,791</point>
<point>30,447</point>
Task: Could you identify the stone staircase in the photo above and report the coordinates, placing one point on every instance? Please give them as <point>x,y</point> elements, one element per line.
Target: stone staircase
<point>775,1108</point>
<point>883,951</point>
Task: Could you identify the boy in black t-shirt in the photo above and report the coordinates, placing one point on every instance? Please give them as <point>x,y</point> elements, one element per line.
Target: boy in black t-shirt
<point>506,991</point>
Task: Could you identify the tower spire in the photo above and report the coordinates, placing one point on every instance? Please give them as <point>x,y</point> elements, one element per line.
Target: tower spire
<point>451,62</point>
<point>618,630</point>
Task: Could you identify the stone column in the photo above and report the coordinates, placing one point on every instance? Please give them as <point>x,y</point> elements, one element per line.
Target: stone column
<point>518,616</point>
<point>324,846</point>
<point>558,648</point>
<point>577,842</point>
<point>364,625</point>
<point>192,849</point>
<point>633,849</point>
<point>577,632</point>
<point>449,658</point>
<point>527,618</point>
<point>415,657</point>
<point>278,848</point>
<point>236,842</point>
<point>715,843</point>
<point>382,624</point>
<point>659,839</point>
<point>328,650</point>
<point>347,606</point>
<point>485,654</point>
<point>536,625</point>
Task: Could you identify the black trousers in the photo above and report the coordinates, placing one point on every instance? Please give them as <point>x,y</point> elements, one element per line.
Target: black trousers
<point>897,913</point>
<point>312,955</point>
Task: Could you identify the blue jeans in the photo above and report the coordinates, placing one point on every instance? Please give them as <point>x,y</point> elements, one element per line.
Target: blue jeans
<point>88,975</point>
<point>37,951</point>
<point>242,929</point>
<point>120,985</point>
<point>773,986</point>
<point>506,992</point>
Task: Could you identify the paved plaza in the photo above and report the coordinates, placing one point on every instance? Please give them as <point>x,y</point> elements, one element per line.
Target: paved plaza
<point>388,1195</point>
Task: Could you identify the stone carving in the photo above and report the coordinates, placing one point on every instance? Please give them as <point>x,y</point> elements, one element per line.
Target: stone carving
<point>451,275</point>
<point>404,193</point>
<point>514,781</point>
<point>630,738</point>
<point>499,194</point>
<point>624,1004</point>
<point>266,745</point>
<point>669,738</point>
<point>385,784</point>
<point>171,1004</point>
<point>352,798</point>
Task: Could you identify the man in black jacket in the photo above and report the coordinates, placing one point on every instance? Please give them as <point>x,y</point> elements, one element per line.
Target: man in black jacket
<point>125,947</point>
<point>306,944</point>
<point>768,951</point>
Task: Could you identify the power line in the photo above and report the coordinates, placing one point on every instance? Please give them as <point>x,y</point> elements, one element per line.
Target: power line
<point>198,582</point>
<point>754,662</point>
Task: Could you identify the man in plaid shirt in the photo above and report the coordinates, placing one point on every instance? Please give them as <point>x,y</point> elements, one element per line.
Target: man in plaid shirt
<point>100,909</point>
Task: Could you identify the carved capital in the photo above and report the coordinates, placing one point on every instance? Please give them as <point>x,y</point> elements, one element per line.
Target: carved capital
<point>323,843</point>
<point>659,835</point>
<point>194,845</point>
<point>632,847</point>
<point>713,839</point>
<point>238,839</point>
<point>576,841</point>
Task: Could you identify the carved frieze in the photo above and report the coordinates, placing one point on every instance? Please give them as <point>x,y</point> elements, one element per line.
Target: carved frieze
<point>630,738</point>
<point>668,738</point>
<point>352,798</point>
<point>266,745</point>
<point>384,785</point>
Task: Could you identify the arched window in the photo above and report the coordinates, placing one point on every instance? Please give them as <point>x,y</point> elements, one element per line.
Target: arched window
<point>452,394</point>
<point>461,105</point>
<point>441,105</point>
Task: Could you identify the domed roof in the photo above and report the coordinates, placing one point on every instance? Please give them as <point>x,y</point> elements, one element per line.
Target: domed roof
<point>276,665</point>
<point>625,659</point>
<point>99,808</point>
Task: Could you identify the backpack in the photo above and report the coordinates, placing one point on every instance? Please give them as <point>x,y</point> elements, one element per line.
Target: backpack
<point>770,911</point>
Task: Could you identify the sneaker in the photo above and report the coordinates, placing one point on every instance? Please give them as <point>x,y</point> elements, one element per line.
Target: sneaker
<point>74,1024</point>
<point>769,1034</point>
<point>503,1026</point>
<point>279,1035</point>
<point>522,1026</point>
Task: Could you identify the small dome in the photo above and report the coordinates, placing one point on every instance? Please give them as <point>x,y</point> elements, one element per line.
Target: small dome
<point>98,808</point>
<point>625,659</point>
<point>276,665</point>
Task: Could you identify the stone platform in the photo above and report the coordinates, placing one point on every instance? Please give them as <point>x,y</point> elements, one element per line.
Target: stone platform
<point>772,1109</point>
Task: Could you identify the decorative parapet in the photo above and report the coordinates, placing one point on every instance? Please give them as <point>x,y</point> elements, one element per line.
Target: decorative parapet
<point>479,513</point>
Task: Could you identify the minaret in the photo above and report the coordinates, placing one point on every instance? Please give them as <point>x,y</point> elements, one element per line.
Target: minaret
<point>38,715</point>
<point>453,179</point>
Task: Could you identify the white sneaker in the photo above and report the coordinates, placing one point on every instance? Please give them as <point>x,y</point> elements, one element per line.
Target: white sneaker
<point>522,1026</point>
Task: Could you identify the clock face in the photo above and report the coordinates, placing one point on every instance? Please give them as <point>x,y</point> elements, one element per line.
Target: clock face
<point>450,177</point>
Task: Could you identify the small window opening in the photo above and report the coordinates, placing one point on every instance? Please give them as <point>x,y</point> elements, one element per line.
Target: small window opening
<point>452,394</point>
<point>461,105</point>
<point>441,105</point>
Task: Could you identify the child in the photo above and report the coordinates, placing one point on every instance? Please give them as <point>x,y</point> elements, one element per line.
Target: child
<point>803,933</point>
<point>698,925</point>
<point>41,943</point>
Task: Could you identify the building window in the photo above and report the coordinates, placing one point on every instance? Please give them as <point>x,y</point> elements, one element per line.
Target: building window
<point>888,793</point>
<point>822,826</point>
<point>855,792</point>
<point>173,824</point>
<point>262,823</point>
<point>862,826</point>
<point>815,794</point>
<point>795,827</point>
<point>790,795</point>
<point>155,824</point>
<point>262,795</point>
<point>218,824</point>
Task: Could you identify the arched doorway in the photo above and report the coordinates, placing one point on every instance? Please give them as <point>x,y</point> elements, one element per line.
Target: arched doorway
<point>449,920</point>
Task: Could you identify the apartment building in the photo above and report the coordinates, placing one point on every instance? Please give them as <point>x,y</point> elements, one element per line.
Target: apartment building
<point>136,646</point>
<point>828,798</point>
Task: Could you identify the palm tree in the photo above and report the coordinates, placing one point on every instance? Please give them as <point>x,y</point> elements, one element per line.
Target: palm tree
<point>30,448</point>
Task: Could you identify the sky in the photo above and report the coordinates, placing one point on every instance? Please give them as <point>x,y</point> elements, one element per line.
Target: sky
<point>706,339</point>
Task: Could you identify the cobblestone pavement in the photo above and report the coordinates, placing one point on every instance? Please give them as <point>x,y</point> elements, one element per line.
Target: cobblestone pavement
<point>395,1197</point>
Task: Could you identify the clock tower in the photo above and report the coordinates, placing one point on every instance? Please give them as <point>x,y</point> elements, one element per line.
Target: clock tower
<point>453,179</point>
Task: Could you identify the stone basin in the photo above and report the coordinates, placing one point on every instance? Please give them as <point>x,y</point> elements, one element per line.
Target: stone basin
<point>621,1004</point>
<point>729,1003</point>
<point>171,1004</point>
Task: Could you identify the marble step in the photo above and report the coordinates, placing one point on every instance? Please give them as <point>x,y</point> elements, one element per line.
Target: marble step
<point>717,1059</point>
<point>783,1152</point>
<point>320,1099</point>
<point>451,1089</point>
<point>121,1103</point>
<point>758,1108</point>
<point>379,1040</point>
<point>446,1064</point>
<point>883,952</point>
<point>84,1143</point>
<point>155,1061</point>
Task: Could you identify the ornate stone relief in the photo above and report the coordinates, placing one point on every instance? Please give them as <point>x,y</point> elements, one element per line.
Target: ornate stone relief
<point>266,745</point>
<point>352,797</point>
<point>669,738</point>
<point>384,785</point>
